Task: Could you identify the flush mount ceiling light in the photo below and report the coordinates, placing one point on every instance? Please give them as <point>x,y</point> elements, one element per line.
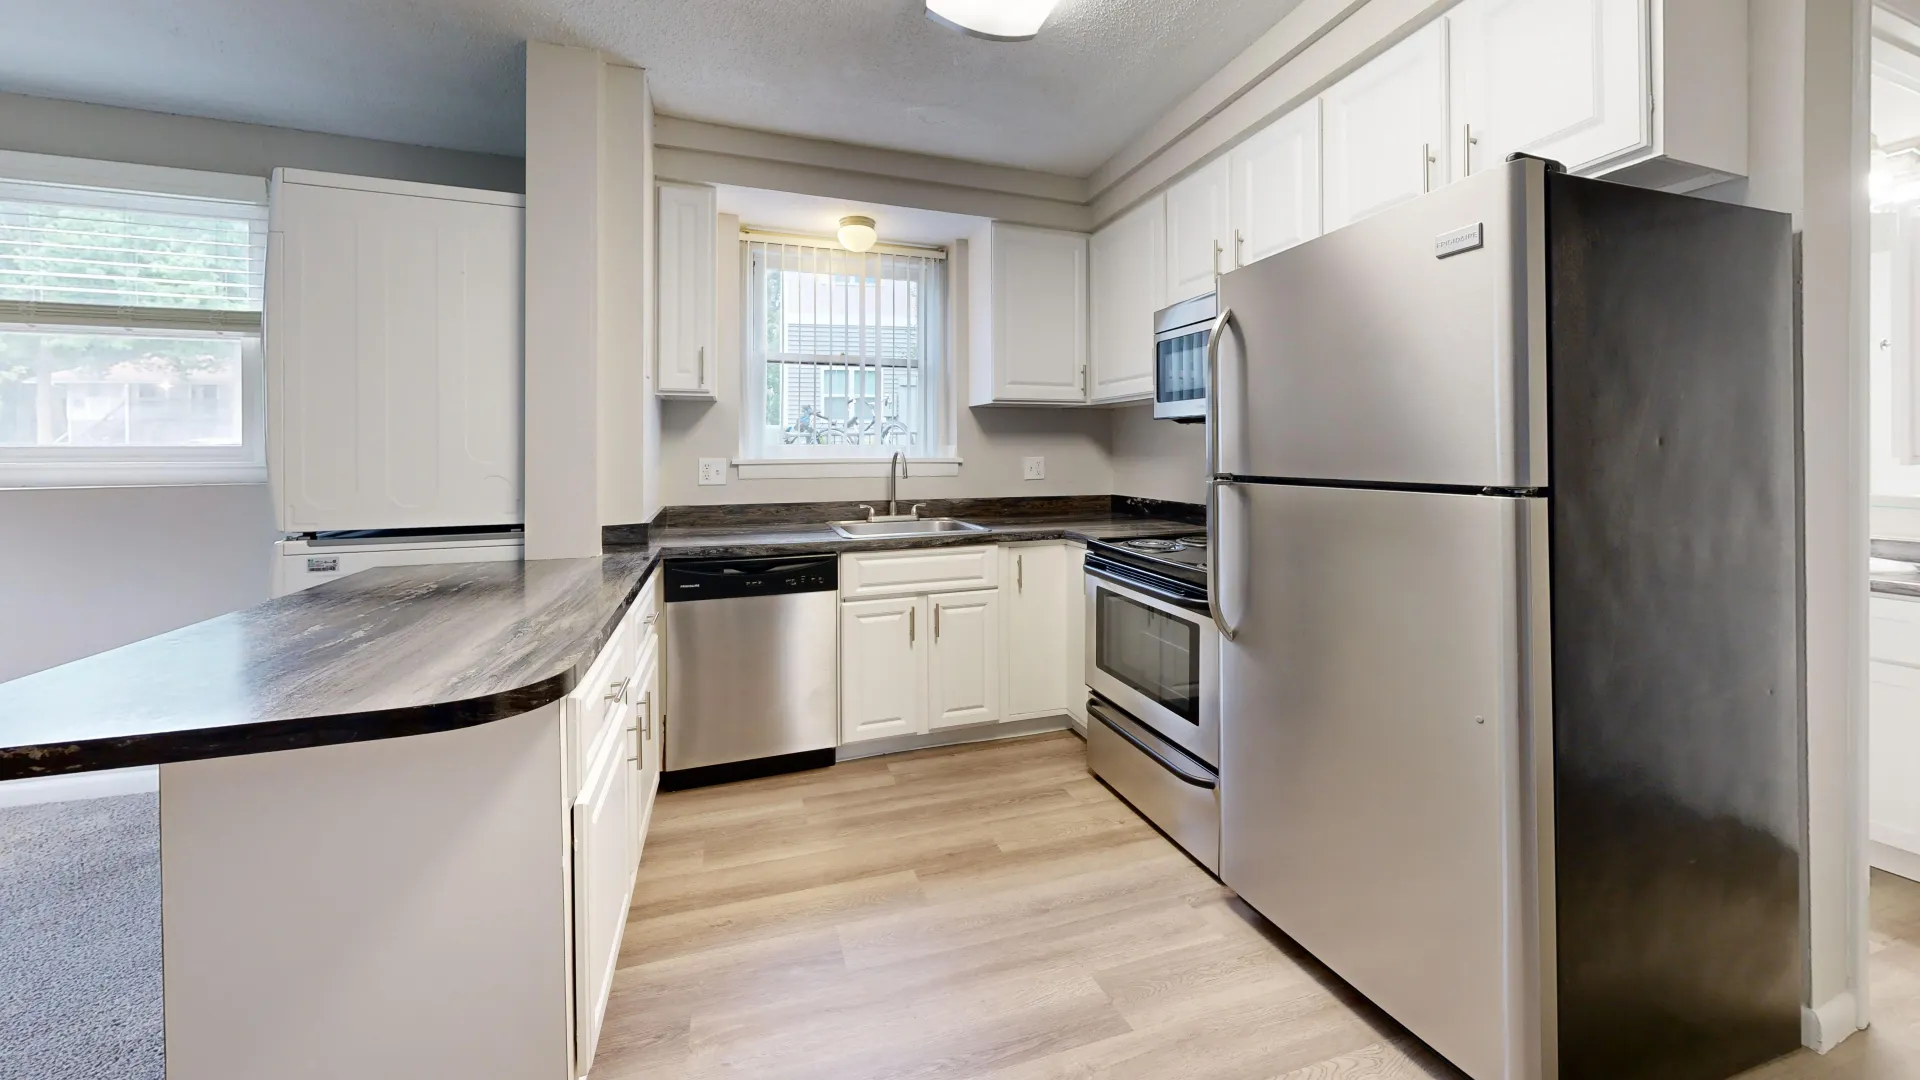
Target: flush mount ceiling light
<point>995,20</point>
<point>857,234</point>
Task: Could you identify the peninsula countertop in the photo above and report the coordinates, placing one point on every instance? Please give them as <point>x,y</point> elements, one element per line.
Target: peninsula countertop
<point>396,651</point>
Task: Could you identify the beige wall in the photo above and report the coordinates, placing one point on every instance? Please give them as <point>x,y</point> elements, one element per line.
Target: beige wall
<point>990,441</point>
<point>1158,459</point>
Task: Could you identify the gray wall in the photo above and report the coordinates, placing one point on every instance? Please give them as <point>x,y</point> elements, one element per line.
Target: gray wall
<point>1158,459</point>
<point>88,569</point>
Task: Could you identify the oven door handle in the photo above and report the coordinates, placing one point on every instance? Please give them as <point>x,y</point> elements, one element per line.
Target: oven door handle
<point>1185,773</point>
<point>1147,589</point>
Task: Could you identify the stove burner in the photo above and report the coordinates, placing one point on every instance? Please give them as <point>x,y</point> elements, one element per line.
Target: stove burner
<point>1195,542</point>
<point>1151,545</point>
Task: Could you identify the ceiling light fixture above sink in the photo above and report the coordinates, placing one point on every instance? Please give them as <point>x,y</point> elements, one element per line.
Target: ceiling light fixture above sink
<point>995,20</point>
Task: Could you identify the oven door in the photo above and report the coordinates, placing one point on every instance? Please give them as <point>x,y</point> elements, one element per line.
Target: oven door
<point>1158,661</point>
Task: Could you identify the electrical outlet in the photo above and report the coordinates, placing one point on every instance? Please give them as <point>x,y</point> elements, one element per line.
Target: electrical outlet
<point>713,472</point>
<point>1033,468</point>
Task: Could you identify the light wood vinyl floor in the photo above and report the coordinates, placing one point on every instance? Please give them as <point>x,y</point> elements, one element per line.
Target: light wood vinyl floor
<point>992,911</point>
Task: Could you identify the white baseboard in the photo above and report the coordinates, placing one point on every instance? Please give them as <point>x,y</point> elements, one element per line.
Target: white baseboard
<point>1894,860</point>
<point>84,785</point>
<point>973,733</point>
<point>1826,1026</point>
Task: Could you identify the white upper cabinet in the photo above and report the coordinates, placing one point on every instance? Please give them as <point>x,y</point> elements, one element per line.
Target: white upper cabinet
<point>1560,79</point>
<point>1198,229</point>
<point>394,354</point>
<point>689,223</point>
<point>1027,316</point>
<point>1386,129</point>
<point>1274,183</point>
<point>1128,265</point>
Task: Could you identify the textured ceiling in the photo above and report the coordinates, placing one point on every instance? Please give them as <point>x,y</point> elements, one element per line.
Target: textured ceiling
<point>449,72</point>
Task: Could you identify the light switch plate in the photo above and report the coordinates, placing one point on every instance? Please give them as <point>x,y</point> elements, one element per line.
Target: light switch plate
<point>1033,468</point>
<point>713,472</point>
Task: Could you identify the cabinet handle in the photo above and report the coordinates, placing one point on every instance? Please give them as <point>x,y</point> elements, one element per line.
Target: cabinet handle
<point>1239,242</point>
<point>1020,572</point>
<point>936,622</point>
<point>911,612</point>
<point>619,690</point>
<point>648,621</point>
<point>1426,170</point>
<point>1467,143</point>
<point>1217,249</point>
<point>703,368</point>
<point>646,717</point>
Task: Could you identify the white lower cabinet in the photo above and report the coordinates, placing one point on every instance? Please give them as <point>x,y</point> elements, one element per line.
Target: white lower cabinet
<point>1074,673</point>
<point>1893,719</point>
<point>883,669</point>
<point>602,885</point>
<point>963,668</point>
<point>1037,646</point>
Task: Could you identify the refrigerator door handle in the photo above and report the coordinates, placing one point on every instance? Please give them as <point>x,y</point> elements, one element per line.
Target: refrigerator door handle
<point>1227,630</point>
<point>1214,479</point>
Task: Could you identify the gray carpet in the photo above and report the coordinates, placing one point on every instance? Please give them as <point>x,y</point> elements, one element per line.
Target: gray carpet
<point>80,992</point>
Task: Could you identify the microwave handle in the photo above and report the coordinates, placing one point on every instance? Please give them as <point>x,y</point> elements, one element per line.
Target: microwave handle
<point>1214,477</point>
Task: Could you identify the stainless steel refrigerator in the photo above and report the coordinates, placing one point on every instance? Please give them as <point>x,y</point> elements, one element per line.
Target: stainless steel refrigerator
<point>1504,503</point>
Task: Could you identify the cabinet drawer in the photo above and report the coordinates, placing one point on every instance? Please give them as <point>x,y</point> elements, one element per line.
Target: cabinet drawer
<point>1893,632</point>
<point>604,698</point>
<point>895,573</point>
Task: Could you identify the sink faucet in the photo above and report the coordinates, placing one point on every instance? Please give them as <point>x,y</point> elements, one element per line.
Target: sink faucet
<point>895,464</point>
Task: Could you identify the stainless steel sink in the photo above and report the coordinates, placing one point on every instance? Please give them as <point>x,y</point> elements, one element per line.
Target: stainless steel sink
<point>855,530</point>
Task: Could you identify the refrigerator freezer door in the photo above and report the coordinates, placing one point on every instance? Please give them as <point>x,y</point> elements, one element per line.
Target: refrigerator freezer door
<point>1373,750</point>
<point>1408,348</point>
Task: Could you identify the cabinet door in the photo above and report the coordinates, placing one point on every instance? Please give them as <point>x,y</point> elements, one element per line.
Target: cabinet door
<point>602,886</point>
<point>964,678</point>
<point>1128,263</point>
<point>1386,129</point>
<point>1037,645</point>
<point>1275,186</point>
<point>1893,717</point>
<point>1074,672</point>
<point>394,349</point>
<point>1563,79</point>
<point>1039,314</point>
<point>883,668</point>
<point>688,224</point>
<point>646,755</point>
<point>1197,228</point>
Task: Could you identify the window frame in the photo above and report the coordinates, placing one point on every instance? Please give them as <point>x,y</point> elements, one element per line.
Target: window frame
<point>760,459</point>
<point>145,186</point>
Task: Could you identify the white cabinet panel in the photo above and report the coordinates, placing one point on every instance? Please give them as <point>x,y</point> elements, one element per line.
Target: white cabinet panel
<point>1027,309</point>
<point>1197,230</point>
<point>1893,706</point>
<point>883,668</point>
<point>394,355</point>
<point>890,573</point>
<point>1128,266</point>
<point>689,222</point>
<point>964,669</point>
<point>1386,129</point>
<point>602,886</point>
<point>1274,181</point>
<point>1038,645</point>
<point>1562,79</point>
<point>1074,673</point>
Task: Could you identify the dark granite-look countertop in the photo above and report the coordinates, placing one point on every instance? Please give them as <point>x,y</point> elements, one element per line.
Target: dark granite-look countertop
<point>1902,580</point>
<point>396,651</point>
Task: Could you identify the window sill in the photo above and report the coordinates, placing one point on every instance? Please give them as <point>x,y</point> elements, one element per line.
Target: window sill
<point>40,474</point>
<point>836,468</point>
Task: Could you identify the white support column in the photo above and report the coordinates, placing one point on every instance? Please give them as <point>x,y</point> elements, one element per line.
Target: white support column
<point>1809,157</point>
<point>566,142</point>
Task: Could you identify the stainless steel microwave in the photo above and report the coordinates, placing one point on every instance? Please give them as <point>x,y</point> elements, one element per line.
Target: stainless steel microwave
<point>1180,359</point>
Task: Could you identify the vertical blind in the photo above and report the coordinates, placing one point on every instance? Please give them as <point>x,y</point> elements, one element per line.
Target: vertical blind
<point>844,348</point>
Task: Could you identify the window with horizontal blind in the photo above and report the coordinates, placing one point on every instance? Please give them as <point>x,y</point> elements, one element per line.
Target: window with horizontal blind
<point>842,351</point>
<point>130,325</point>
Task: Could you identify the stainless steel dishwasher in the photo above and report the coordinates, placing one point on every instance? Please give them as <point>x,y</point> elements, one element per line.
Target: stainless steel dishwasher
<point>753,667</point>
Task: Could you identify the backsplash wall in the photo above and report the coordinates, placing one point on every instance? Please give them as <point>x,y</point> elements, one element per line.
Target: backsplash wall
<point>1158,459</point>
